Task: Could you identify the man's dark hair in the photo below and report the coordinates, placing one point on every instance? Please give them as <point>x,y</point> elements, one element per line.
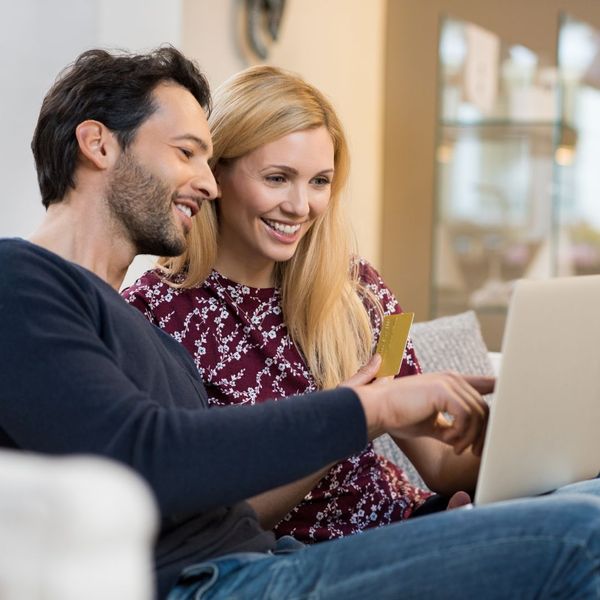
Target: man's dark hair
<point>113,88</point>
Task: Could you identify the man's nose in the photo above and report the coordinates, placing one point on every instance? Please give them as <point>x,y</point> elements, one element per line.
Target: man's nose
<point>204,184</point>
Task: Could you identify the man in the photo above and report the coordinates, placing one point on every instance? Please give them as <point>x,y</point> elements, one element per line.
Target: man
<point>121,149</point>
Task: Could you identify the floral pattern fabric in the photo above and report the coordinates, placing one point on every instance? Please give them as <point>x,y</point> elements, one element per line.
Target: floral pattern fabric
<point>240,344</point>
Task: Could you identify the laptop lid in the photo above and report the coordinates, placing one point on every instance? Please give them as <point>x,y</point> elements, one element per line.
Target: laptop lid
<point>544,427</point>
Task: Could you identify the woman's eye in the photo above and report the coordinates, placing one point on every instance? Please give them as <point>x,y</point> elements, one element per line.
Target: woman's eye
<point>321,181</point>
<point>187,153</point>
<point>275,178</point>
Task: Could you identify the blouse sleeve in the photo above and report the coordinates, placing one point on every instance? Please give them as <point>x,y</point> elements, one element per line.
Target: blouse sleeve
<point>372,280</point>
<point>143,294</point>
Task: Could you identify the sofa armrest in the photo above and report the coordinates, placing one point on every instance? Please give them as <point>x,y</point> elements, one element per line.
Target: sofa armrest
<point>74,527</point>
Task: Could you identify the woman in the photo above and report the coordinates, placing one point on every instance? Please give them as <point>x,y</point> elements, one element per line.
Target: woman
<point>268,299</point>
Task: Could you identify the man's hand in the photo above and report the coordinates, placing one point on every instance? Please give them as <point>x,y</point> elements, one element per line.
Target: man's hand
<point>444,406</point>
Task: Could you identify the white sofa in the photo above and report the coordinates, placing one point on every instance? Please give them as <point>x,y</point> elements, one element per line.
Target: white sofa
<point>74,528</point>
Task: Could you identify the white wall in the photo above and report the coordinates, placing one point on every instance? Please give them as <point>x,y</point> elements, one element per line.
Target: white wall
<point>37,39</point>
<point>336,44</point>
<point>34,45</point>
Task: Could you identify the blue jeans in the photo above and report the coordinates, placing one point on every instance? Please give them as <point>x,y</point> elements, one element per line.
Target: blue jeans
<point>547,547</point>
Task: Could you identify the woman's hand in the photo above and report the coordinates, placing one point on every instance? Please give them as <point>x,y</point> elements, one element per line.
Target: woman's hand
<point>365,374</point>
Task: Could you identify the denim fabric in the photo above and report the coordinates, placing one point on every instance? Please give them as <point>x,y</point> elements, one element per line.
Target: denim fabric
<point>547,547</point>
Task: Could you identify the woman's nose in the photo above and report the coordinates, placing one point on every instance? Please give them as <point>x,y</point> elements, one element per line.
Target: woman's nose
<point>298,202</point>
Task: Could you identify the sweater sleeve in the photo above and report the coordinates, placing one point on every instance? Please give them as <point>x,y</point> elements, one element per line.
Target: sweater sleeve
<point>63,392</point>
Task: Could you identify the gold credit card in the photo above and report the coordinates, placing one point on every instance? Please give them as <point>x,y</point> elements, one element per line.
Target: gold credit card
<point>392,342</point>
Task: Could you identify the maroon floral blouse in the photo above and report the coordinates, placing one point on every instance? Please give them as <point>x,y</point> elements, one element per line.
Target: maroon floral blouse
<point>239,341</point>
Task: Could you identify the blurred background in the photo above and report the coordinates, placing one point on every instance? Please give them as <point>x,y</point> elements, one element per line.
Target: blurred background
<point>474,125</point>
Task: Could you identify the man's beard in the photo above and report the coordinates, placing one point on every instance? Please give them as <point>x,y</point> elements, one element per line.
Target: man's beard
<point>142,205</point>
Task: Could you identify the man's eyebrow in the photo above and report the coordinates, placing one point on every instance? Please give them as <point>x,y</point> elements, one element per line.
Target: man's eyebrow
<point>195,139</point>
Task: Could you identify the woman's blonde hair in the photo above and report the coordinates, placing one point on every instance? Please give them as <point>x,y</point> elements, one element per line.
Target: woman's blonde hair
<point>321,293</point>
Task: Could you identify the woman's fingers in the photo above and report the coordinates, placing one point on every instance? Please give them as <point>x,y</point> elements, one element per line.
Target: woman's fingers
<point>479,406</point>
<point>481,383</point>
<point>463,424</point>
<point>473,396</point>
<point>365,374</point>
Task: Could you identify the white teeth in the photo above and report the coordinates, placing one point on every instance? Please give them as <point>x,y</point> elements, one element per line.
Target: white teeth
<point>287,229</point>
<point>186,210</point>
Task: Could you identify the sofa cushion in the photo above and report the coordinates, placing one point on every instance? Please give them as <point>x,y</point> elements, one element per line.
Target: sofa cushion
<point>447,343</point>
<point>452,343</point>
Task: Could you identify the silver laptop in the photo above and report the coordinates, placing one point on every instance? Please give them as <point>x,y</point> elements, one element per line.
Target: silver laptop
<point>544,428</point>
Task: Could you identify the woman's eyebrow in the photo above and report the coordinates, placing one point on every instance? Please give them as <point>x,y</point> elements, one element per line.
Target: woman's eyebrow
<point>293,171</point>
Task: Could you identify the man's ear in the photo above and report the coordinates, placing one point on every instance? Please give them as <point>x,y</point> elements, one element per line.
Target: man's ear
<point>97,143</point>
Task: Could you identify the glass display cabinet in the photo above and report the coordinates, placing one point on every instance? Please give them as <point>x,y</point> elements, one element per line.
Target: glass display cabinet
<point>516,179</point>
<point>578,150</point>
